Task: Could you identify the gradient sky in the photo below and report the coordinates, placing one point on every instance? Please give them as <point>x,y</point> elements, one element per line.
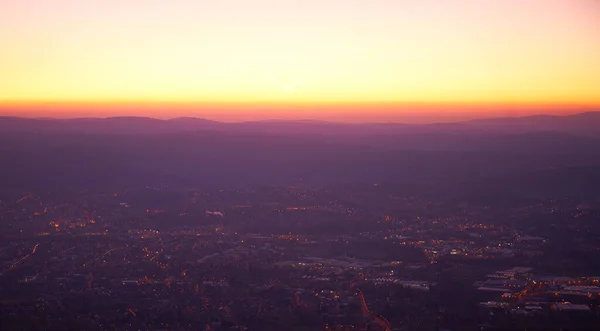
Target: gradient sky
<point>343,59</point>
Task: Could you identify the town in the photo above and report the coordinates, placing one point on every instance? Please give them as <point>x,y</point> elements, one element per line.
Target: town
<point>294,258</point>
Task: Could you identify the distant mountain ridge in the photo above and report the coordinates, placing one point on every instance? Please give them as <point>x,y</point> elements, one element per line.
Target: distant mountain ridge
<point>474,157</point>
<point>583,124</point>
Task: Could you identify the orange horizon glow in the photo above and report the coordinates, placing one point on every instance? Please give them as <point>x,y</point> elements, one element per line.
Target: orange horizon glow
<point>334,112</point>
<point>340,60</point>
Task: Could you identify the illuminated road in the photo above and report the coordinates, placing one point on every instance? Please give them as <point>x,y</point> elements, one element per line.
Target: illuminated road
<point>100,257</point>
<point>21,260</point>
<point>382,322</point>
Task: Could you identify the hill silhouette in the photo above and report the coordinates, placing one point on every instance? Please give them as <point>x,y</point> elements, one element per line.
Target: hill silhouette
<point>476,157</point>
<point>584,124</point>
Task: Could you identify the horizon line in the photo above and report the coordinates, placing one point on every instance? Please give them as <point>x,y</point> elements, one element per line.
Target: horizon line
<point>275,119</point>
<point>238,112</point>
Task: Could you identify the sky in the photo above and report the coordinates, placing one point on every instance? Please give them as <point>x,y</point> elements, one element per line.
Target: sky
<point>354,60</point>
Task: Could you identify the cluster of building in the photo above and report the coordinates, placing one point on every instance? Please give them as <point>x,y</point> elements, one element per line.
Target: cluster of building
<point>96,262</point>
<point>520,291</point>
